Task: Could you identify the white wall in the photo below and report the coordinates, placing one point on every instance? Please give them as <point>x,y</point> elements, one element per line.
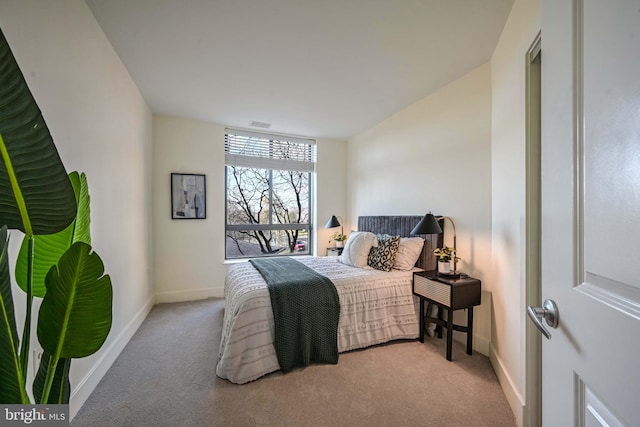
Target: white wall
<point>435,156</point>
<point>188,255</point>
<point>101,126</point>
<point>508,195</point>
<point>331,191</point>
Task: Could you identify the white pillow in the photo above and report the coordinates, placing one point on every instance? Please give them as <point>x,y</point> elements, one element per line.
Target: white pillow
<point>356,251</point>
<point>408,253</point>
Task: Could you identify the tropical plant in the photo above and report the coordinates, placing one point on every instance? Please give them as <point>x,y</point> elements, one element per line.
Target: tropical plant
<point>55,262</point>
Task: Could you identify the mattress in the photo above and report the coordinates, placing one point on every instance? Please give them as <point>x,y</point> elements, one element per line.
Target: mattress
<point>375,307</point>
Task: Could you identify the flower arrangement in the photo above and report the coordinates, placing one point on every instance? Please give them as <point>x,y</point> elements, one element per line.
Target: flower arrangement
<point>446,254</point>
<point>339,237</point>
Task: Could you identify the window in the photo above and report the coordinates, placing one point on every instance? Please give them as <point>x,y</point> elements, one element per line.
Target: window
<point>268,194</point>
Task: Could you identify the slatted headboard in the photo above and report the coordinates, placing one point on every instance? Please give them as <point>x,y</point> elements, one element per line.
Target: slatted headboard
<point>402,226</point>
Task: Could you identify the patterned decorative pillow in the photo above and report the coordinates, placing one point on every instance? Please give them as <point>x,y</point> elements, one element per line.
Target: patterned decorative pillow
<point>383,256</point>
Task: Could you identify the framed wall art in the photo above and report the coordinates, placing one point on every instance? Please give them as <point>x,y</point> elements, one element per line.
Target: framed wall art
<point>188,196</point>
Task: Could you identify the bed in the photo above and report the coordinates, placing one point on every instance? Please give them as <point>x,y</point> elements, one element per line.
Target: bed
<point>375,306</point>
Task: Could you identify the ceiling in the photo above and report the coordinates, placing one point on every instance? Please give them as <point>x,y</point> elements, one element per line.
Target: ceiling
<point>321,68</point>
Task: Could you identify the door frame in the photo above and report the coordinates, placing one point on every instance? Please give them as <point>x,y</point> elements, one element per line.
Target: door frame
<point>533,288</point>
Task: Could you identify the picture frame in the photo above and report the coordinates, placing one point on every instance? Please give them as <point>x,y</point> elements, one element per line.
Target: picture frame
<point>188,196</point>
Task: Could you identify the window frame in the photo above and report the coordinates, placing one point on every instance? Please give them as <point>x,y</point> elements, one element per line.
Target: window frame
<point>307,227</point>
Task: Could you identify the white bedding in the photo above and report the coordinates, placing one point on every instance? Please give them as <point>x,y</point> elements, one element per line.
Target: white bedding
<point>375,307</point>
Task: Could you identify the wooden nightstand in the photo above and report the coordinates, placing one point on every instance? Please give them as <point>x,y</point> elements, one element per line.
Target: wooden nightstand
<point>449,294</point>
<point>334,251</point>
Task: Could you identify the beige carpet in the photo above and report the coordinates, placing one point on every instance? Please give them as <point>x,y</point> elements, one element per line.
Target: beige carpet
<point>166,377</point>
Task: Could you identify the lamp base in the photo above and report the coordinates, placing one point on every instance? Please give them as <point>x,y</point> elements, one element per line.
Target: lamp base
<point>450,275</point>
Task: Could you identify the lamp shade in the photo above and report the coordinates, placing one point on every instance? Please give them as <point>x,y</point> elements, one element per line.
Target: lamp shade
<point>427,225</point>
<point>333,222</point>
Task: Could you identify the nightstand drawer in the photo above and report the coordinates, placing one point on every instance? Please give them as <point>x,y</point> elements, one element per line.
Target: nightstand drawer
<point>449,293</point>
<point>334,251</point>
<point>436,291</point>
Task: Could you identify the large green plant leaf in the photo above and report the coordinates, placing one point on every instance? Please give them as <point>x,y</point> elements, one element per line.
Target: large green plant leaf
<point>75,315</point>
<point>49,248</point>
<point>12,382</point>
<point>36,195</point>
<point>82,232</point>
<point>60,388</point>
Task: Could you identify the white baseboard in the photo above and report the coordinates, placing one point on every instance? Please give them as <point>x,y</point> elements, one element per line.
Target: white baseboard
<point>480,344</point>
<point>189,295</point>
<point>85,387</point>
<point>511,393</point>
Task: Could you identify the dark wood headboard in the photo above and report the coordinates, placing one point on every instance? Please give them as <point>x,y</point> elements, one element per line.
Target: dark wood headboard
<point>402,226</point>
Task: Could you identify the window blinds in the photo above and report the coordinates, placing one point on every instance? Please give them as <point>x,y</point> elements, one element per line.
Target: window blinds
<point>265,151</point>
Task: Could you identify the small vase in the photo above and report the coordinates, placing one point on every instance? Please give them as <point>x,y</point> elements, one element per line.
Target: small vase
<point>339,244</point>
<point>444,267</point>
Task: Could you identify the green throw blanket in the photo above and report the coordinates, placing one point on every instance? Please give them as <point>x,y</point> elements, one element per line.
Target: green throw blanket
<point>305,311</point>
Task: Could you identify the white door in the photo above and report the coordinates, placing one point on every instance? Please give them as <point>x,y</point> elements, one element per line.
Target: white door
<point>591,211</point>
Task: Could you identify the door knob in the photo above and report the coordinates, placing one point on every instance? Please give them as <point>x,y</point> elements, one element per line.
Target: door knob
<point>549,312</point>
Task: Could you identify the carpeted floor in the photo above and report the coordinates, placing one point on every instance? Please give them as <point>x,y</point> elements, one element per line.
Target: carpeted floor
<point>166,377</point>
